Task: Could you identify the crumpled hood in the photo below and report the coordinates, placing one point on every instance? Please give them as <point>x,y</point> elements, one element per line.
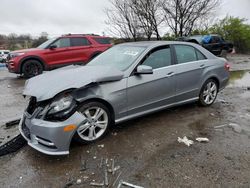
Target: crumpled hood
<point>47,85</point>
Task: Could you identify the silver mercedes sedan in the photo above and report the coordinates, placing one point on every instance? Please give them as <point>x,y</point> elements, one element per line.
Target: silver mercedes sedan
<point>127,81</point>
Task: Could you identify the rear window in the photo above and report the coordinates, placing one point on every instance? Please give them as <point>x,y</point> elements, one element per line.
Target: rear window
<point>200,56</point>
<point>185,54</point>
<point>103,40</point>
<point>6,52</point>
<point>79,41</point>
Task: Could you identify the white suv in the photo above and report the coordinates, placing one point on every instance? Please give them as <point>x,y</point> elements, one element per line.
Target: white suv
<point>3,55</point>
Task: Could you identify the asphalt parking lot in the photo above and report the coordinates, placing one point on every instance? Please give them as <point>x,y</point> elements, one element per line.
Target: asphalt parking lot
<point>146,149</point>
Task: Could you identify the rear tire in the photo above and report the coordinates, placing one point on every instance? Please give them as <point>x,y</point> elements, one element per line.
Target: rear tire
<point>208,93</point>
<point>97,124</point>
<point>31,68</point>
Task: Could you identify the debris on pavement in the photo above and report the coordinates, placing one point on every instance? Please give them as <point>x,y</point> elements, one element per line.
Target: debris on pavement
<point>83,165</point>
<point>78,181</point>
<point>101,146</point>
<point>128,185</point>
<point>12,145</point>
<point>13,122</point>
<point>100,165</point>
<point>223,101</point>
<point>220,126</point>
<point>235,127</point>
<point>114,134</point>
<point>114,170</point>
<point>113,166</point>
<point>199,139</point>
<point>212,114</point>
<point>69,184</point>
<point>96,184</point>
<point>106,180</point>
<point>116,179</point>
<point>185,140</point>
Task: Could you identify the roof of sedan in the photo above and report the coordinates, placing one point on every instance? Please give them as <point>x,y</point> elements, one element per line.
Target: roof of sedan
<point>153,43</point>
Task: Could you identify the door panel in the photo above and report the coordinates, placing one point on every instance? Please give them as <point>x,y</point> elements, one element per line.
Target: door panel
<point>81,53</point>
<point>81,49</point>
<point>150,91</point>
<point>189,71</point>
<point>60,55</point>
<point>57,56</point>
<point>188,76</point>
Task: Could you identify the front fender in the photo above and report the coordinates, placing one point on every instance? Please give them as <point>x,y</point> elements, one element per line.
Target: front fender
<point>31,57</point>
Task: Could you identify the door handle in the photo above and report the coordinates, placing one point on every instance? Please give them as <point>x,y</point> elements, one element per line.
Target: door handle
<point>202,66</point>
<point>170,74</point>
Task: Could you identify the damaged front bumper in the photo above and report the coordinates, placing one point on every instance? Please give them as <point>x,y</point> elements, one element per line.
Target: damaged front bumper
<point>49,137</point>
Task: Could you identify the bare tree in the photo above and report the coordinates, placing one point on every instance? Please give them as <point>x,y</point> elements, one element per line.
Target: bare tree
<point>122,19</point>
<point>183,15</point>
<point>135,18</point>
<point>148,13</point>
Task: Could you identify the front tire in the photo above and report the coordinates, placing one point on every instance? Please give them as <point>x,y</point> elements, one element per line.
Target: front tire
<point>208,93</point>
<point>32,68</point>
<point>97,124</point>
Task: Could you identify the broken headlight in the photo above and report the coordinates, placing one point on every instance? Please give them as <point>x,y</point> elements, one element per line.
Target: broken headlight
<point>62,103</point>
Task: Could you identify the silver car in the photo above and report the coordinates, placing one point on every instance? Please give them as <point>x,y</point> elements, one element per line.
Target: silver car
<point>127,81</point>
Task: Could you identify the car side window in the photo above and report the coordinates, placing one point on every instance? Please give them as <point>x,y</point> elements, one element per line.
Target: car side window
<point>200,56</point>
<point>185,53</point>
<point>80,41</point>
<point>62,43</point>
<point>215,39</point>
<point>158,58</point>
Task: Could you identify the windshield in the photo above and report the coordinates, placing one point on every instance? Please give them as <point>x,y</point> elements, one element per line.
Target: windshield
<point>45,44</point>
<point>120,57</point>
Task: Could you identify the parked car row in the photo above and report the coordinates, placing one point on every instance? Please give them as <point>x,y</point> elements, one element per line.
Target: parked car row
<point>57,52</point>
<point>124,82</point>
<point>3,55</point>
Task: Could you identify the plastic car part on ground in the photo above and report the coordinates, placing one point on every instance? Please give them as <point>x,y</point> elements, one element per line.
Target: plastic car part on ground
<point>188,142</point>
<point>185,140</point>
<point>111,175</point>
<point>200,139</point>
<point>128,185</point>
<point>10,138</point>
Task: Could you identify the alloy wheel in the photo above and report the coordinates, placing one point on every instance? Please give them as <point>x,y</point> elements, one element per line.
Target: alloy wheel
<point>209,93</point>
<point>95,125</point>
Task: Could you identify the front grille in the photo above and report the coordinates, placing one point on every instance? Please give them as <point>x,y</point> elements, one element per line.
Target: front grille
<point>25,129</point>
<point>36,107</point>
<point>32,105</point>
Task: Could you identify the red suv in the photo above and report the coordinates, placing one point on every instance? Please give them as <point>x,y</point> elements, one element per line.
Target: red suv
<point>57,52</point>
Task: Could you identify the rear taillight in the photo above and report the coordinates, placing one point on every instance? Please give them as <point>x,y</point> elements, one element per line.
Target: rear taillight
<point>227,66</point>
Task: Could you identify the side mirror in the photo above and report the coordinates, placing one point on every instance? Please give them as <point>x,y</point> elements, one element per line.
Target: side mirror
<point>53,46</point>
<point>144,69</point>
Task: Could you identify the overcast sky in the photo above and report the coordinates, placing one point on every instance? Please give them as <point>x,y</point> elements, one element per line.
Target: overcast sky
<point>75,16</point>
